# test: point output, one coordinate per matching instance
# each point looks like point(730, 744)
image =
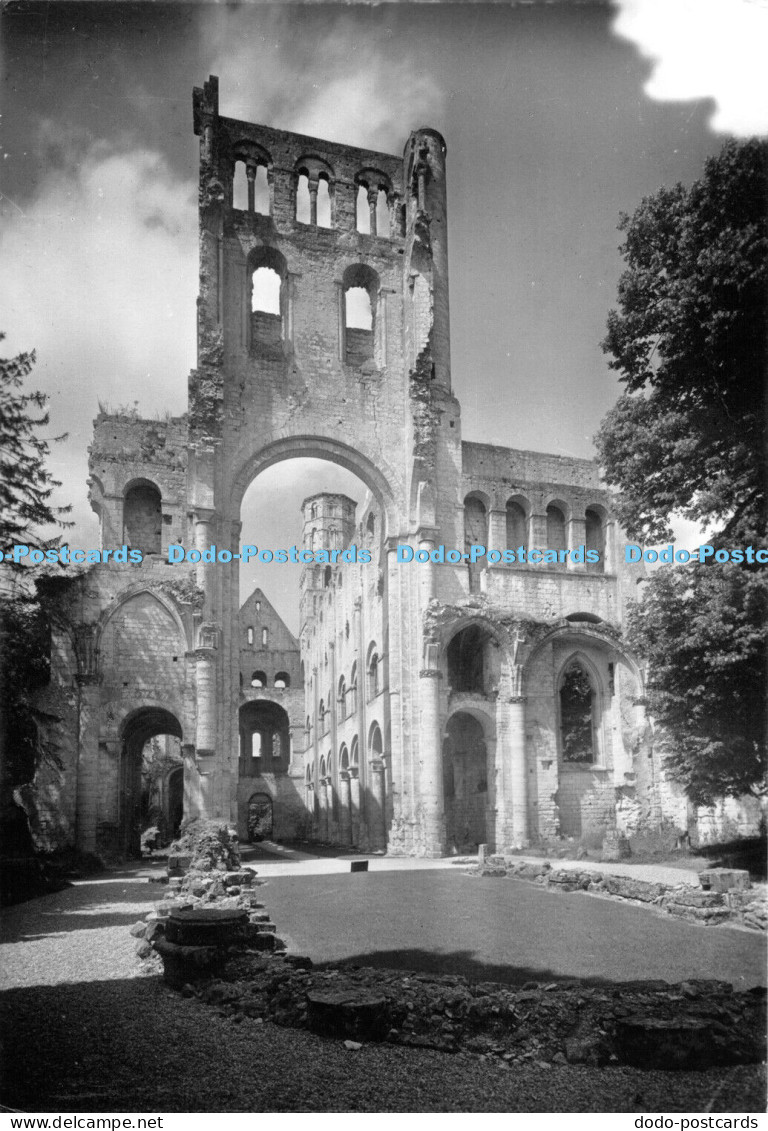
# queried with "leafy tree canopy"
point(26, 484)
point(690, 343)
point(690, 340)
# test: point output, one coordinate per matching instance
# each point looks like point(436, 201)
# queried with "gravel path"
point(88, 1033)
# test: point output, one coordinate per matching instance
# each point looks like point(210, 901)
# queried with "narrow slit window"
point(363, 211)
point(323, 204)
point(240, 187)
point(382, 214)
point(303, 211)
point(261, 192)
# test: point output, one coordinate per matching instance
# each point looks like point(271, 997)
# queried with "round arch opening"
point(151, 785)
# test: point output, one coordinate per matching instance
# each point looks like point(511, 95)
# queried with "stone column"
point(87, 761)
point(373, 196)
point(205, 682)
point(430, 747)
point(497, 530)
point(538, 532)
point(577, 536)
point(345, 808)
point(250, 172)
point(324, 809)
point(342, 322)
point(378, 833)
point(354, 798)
point(519, 771)
point(313, 186)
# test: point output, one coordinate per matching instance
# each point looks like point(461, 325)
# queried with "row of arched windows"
point(259, 679)
point(346, 698)
point(250, 636)
point(270, 302)
point(518, 533)
point(314, 190)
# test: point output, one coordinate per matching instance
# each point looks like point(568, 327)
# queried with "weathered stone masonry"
point(424, 708)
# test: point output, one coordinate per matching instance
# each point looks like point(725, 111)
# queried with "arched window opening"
point(265, 293)
point(475, 522)
point(475, 534)
point(374, 674)
point(266, 318)
point(370, 526)
point(382, 214)
point(342, 700)
point(261, 192)
point(344, 758)
point(355, 755)
point(327, 574)
point(258, 606)
point(352, 691)
point(143, 518)
point(358, 319)
point(321, 717)
point(577, 729)
point(264, 637)
point(323, 204)
point(303, 213)
point(556, 538)
point(469, 660)
point(375, 744)
point(363, 223)
point(259, 679)
point(323, 773)
point(595, 540)
point(268, 301)
point(517, 526)
point(282, 681)
point(360, 286)
point(250, 635)
point(358, 314)
point(264, 738)
point(240, 187)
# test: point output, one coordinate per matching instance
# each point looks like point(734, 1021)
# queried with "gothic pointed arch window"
point(578, 703)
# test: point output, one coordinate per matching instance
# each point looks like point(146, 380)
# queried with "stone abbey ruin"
point(424, 708)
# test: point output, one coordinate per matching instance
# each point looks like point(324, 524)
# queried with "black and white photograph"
point(383, 558)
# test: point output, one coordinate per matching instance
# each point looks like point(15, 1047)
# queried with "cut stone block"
point(725, 879)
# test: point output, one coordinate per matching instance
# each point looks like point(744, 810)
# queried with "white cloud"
point(99, 276)
point(705, 49)
point(346, 86)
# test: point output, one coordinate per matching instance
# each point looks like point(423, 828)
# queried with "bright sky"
point(557, 117)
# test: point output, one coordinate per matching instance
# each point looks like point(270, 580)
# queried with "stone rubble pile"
point(648, 1024)
point(725, 897)
point(211, 910)
point(218, 944)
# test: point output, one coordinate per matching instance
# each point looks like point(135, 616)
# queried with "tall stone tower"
point(323, 331)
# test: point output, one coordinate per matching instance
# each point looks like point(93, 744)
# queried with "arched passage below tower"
point(141, 726)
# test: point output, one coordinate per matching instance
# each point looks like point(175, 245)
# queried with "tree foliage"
point(26, 484)
point(690, 341)
point(26, 488)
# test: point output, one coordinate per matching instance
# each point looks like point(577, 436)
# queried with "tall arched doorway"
point(465, 783)
point(150, 738)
